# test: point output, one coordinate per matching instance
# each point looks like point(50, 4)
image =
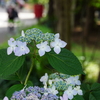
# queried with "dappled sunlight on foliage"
point(92, 71)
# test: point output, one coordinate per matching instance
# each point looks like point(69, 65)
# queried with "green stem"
point(27, 77)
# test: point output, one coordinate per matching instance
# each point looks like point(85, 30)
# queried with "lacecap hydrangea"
point(43, 41)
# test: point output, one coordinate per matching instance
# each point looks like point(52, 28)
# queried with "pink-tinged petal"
point(9, 50)
point(41, 52)
point(10, 41)
point(57, 49)
point(65, 96)
point(61, 98)
point(5, 98)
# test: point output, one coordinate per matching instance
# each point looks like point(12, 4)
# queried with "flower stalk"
point(27, 77)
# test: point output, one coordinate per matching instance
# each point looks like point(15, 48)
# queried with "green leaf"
point(11, 77)
point(96, 94)
point(85, 87)
point(9, 63)
point(91, 97)
point(29, 83)
point(78, 97)
point(65, 62)
point(95, 86)
point(14, 88)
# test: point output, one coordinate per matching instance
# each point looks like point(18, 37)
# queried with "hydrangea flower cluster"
point(56, 87)
point(33, 93)
point(44, 42)
point(70, 85)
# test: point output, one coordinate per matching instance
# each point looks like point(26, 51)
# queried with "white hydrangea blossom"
point(18, 47)
point(21, 49)
point(44, 79)
point(53, 90)
point(76, 80)
point(43, 47)
point(78, 90)
point(12, 46)
point(57, 44)
point(70, 92)
point(64, 97)
point(73, 80)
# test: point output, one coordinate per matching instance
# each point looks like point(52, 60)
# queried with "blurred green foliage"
point(38, 1)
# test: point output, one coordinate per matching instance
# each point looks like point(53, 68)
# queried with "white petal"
point(24, 43)
point(45, 43)
point(70, 96)
point(52, 44)
point(18, 52)
point(80, 92)
point(41, 52)
point(27, 50)
point(9, 50)
point(74, 92)
point(63, 44)
point(38, 45)
point(19, 43)
point(57, 49)
point(78, 82)
point(23, 33)
point(57, 36)
point(47, 49)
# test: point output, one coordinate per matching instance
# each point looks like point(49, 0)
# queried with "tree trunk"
point(51, 16)
point(63, 14)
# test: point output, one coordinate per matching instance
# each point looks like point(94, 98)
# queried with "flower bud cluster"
point(36, 35)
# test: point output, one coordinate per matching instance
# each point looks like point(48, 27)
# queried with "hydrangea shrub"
point(64, 84)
